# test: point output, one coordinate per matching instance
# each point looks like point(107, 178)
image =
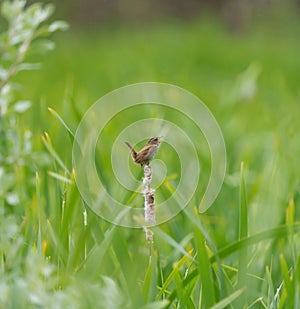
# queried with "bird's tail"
point(133, 152)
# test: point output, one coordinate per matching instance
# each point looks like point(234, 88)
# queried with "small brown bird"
point(146, 154)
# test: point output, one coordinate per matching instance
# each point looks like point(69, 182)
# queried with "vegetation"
point(56, 253)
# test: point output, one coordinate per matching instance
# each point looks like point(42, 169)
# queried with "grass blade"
point(47, 142)
point(171, 242)
point(60, 177)
point(57, 116)
point(271, 290)
point(228, 300)
point(38, 199)
point(93, 265)
point(278, 232)
point(156, 305)
point(208, 294)
point(243, 233)
point(288, 282)
point(149, 288)
point(243, 215)
point(176, 268)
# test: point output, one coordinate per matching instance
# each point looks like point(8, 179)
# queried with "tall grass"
point(243, 252)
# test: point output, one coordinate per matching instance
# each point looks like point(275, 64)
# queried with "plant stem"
point(149, 201)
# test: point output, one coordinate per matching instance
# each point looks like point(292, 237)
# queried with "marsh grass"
point(243, 252)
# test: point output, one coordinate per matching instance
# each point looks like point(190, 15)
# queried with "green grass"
point(243, 252)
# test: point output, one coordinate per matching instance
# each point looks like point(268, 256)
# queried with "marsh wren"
point(146, 154)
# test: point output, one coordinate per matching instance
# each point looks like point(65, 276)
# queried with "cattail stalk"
point(148, 193)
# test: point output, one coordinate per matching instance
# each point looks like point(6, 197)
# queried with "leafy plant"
point(23, 28)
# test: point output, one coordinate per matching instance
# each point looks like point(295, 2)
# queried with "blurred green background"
point(241, 58)
point(226, 52)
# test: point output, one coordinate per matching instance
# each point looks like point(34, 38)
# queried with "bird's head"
point(154, 141)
